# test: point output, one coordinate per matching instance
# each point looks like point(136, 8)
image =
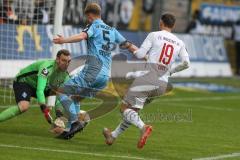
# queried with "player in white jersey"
point(160, 49)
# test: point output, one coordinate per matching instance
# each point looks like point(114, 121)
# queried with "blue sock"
point(71, 107)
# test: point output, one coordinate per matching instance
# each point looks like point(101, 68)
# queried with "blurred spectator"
point(195, 25)
point(236, 29)
point(73, 12)
point(146, 14)
point(7, 12)
point(41, 12)
point(148, 6)
point(25, 11)
point(125, 13)
point(108, 12)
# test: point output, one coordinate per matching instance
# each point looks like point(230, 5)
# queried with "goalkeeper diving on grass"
point(101, 41)
point(36, 81)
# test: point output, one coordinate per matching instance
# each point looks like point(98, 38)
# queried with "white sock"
point(120, 129)
point(132, 117)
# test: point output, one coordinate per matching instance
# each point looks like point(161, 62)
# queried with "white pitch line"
point(73, 152)
point(219, 157)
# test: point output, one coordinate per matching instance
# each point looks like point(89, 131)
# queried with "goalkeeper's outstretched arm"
point(41, 85)
point(41, 98)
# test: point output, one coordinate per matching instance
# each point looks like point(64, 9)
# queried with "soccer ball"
point(84, 117)
point(59, 122)
point(59, 125)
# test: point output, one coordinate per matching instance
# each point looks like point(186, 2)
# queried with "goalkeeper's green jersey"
point(42, 75)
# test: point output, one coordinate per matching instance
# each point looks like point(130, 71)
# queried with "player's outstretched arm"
point(182, 66)
point(41, 85)
point(185, 62)
point(125, 44)
point(129, 46)
point(132, 48)
point(72, 39)
point(141, 53)
point(138, 52)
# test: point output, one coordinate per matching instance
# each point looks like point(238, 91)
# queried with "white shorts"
point(146, 86)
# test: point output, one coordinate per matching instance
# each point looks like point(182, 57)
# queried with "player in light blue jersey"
point(101, 40)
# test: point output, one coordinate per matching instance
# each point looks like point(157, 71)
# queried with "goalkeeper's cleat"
point(65, 135)
point(58, 126)
point(145, 133)
point(109, 139)
point(75, 128)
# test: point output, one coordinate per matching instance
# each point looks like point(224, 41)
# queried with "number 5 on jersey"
point(166, 54)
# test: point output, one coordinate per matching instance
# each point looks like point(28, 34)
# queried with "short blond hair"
point(93, 8)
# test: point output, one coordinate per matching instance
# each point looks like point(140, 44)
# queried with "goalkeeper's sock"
point(9, 113)
point(120, 128)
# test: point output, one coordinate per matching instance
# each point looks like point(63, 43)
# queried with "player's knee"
point(23, 106)
point(124, 106)
point(77, 98)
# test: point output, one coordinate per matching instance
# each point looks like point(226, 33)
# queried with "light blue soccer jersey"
point(102, 39)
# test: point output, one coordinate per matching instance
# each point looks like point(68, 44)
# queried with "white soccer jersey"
point(163, 48)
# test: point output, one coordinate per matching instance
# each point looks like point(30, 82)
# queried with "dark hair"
point(93, 8)
point(65, 52)
point(168, 19)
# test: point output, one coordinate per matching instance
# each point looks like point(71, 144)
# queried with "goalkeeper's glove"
point(46, 111)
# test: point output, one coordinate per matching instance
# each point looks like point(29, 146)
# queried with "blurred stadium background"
point(210, 88)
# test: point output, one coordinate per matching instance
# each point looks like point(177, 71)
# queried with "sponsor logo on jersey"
point(24, 94)
point(45, 72)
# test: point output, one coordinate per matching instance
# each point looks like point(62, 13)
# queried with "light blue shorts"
point(85, 85)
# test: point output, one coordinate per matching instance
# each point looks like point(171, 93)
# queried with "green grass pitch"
point(187, 124)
